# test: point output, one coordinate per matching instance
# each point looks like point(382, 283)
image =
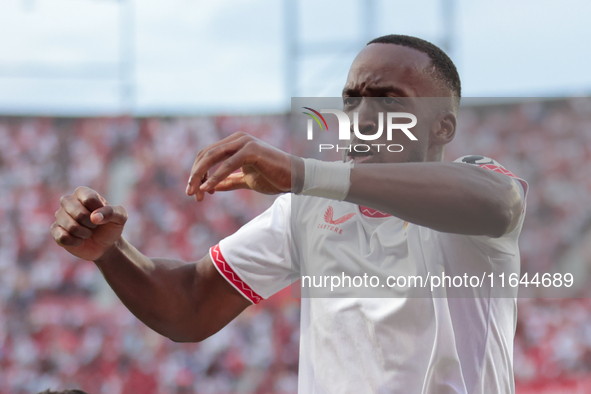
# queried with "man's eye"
point(390, 101)
point(350, 101)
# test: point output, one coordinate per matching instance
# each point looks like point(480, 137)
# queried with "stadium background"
point(62, 327)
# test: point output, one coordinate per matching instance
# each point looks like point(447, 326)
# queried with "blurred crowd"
point(62, 327)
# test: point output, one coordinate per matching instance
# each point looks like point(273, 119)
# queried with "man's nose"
point(368, 119)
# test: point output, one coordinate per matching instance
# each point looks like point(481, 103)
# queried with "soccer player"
point(405, 209)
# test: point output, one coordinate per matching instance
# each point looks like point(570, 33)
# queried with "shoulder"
point(492, 165)
point(484, 162)
point(480, 161)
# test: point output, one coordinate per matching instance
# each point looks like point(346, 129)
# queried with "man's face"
point(391, 78)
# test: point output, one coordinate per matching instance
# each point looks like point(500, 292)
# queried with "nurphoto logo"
point(345, 129)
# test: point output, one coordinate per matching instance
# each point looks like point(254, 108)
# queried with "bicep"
point(508, 194)
point(512, 195)
point(511, 190)
point(517, 201)
point(250, 265)
point(214, 302)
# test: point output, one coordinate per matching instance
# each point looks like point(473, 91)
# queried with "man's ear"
point(444, 129)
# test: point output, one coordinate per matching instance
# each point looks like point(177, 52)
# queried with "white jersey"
point(438, 344)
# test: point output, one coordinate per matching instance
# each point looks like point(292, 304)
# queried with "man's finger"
point(204, 151)
point(210, 159)
point(63, 238)
point(73, 207)
point(232, 182)
point(226, 168)
point(89, 198)
point(230, 138)
point(74, 228)
point(203, 179)
point(109, 214)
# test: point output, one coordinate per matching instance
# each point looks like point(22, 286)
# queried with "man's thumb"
point(109, 214)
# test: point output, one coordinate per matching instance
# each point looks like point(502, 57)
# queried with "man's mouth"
point(360, 157)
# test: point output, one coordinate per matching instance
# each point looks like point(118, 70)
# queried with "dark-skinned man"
point(405, 209)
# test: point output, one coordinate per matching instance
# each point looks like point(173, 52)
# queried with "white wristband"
point(326, 179)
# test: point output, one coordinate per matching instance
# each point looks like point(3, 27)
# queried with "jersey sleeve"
point(256, 259)
point(507, 244)
point(489, 164)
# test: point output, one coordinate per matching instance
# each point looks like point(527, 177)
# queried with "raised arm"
point(448, 197)
point(187, 302)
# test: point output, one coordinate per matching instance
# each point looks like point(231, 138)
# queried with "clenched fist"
point(86, 225)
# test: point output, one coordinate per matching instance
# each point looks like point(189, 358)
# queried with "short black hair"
point(444, 67)
point(64, 392)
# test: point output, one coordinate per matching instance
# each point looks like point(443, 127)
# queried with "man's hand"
point(263, 168)
point(86, 225)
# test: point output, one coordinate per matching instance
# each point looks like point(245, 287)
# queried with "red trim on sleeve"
point(498, 169)
point(227, 271)
point(505, 171)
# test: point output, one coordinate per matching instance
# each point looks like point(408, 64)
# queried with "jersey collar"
point(372, 213)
